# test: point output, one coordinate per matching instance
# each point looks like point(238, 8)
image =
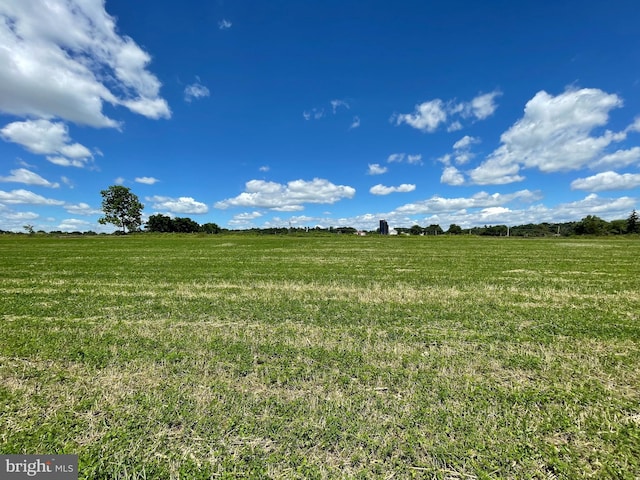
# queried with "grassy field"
point(166, 357)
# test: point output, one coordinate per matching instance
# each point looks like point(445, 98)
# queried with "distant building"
point(384, 227)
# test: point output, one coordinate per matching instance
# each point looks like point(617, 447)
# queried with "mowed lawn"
point(230, 356)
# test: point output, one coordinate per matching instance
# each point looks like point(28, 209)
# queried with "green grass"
point(158, 357)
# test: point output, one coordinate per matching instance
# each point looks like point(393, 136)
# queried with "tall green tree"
point(121, 207)
point(160, 223)
point(210, 228)
point(633, 223)
point(591, 225)
point(454, 229)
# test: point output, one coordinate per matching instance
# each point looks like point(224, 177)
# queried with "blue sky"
point(331, 113)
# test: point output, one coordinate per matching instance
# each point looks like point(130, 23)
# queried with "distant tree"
point(416, 230)
point(159, 223)
point(454, 229)
point(633, 223)
point(591, 225)
point(210, 228)
point(185, 225)
point(29, 229)
point(349, 230)
point(433, 229)
point(617, 227)
point(121, 208)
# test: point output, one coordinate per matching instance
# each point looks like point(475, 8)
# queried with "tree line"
point(122, 208)
point(589, 225)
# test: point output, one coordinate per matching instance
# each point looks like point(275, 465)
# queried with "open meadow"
point(231, 356)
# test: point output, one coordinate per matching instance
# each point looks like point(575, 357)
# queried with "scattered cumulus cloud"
point(482, 106)
point(264, 168)
point(555, 134)
point(355, 123)
point(288, 197)
point(180, 205)
point(479, 200)
point(26, 197)
point(607, 181)
point(335, 104)
point(465, 142)
point(430, 115)
point(224, 24)
point(635, 126)
point(244, 220)
point(44, 137)
point(404, 158)
point(383, 190)
point(82, 209)
point(462, 149)
point(427, 117)
point(74, 44)
point(619, 159)
point(146, 180)
point(74, 225)
point(63, 60)
point(452, 176)
point(195, 91)
point(313, 114)
point(376, 169)
point(22, 175)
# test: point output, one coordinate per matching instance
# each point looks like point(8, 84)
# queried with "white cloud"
point(483, 106)
point(482, 209)
point(452, 176)
point(619, 159)
point(66, 162)
point(592, 204)
point(146, 180)
point(313, 114)
point(74, 225)
point(428, 116)
point(67, 181)
point(437, 204)
point(289, 197)
point(335, 104)
point(607, 181)
point(224, 24)
point(555, 134)
point(635, 126)
point(22, 175)
point(247, 216)
point(403, 157)
point(244, 220)
point(376, 169)
point(74, 45)
point(26, 197)
point(264, 168)
point(355, 123)
point(20, 216)
point(195, 91)
point(82, 209)
point(178, 205)
point(462, 149)
point(465, 142)
point(455, 126)
point(383, 190)
point(47, 138)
